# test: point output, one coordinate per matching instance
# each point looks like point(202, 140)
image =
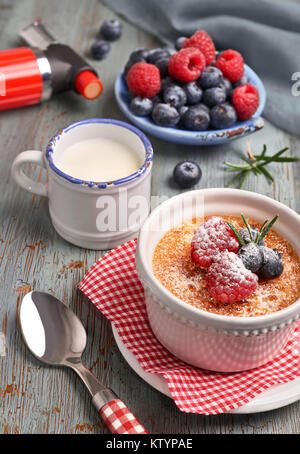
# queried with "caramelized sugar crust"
point(174, 268)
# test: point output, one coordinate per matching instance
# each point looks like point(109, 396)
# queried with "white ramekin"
point(203, 339)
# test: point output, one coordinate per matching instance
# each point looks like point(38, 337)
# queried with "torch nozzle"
point(88, 85)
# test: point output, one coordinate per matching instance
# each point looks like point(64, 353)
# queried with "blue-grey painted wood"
point(38, 399)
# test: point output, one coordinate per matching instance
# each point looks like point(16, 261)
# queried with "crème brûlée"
point(177, 272)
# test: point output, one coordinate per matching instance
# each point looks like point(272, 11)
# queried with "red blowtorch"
point(29, 75)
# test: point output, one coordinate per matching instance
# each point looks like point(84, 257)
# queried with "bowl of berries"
point(191, 94)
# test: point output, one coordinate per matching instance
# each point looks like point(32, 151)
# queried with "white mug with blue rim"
point(92, 214)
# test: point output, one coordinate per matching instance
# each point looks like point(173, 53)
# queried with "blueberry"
point(162, 65)
point(165, 115)
point(141, 106)
point(204, 107)
point(175, 96)
point(111, 30)
point(193, 92)
point(227, 86)
point(223, 116)
point(100, 49)
point(213, 96)
point(242, 81)
point(196, 118)
point(246, 237)
point(179, 42)
point(183, 109)
point(210, 77)
point(171, 50)
point(251, 256)
point(156, 100)
point(139, 53)
point(133, 61)
point(157, 54)
point(272, 264)
point(166, 81)
point(187, 174)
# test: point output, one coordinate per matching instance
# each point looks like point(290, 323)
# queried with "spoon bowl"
point(51, 331)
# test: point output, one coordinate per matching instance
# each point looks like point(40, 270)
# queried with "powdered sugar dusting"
point(173, 266)
point(211, 237)
point(228, 280)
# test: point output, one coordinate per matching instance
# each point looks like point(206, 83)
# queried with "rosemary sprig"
point(248, 226)
point(262, 227)
point(263, 231)
point(237, 233)
point(257, 164)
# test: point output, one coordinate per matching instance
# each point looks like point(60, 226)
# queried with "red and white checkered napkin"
point(113, 287)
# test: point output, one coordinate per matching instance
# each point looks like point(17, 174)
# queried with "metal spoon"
point(56, 336)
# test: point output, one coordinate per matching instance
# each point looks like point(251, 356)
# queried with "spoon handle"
point(119, 419)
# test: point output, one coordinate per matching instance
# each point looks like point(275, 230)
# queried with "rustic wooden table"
point(37, 399)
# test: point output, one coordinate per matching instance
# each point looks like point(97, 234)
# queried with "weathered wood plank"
point(38, 399)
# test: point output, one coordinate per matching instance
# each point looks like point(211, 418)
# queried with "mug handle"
point(33, 157)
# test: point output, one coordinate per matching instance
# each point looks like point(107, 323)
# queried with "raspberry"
point(231, 63)
point(186, 65)
point(143, 79)
point(211, 237)
point(228, 280)
point(245, 100)
point(202, 41)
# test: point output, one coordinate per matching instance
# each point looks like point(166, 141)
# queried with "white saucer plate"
point(275, 397)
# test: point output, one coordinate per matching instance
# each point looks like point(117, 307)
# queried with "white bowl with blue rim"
point(198, 138)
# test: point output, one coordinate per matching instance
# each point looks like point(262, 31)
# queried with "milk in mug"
point(98, 159)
